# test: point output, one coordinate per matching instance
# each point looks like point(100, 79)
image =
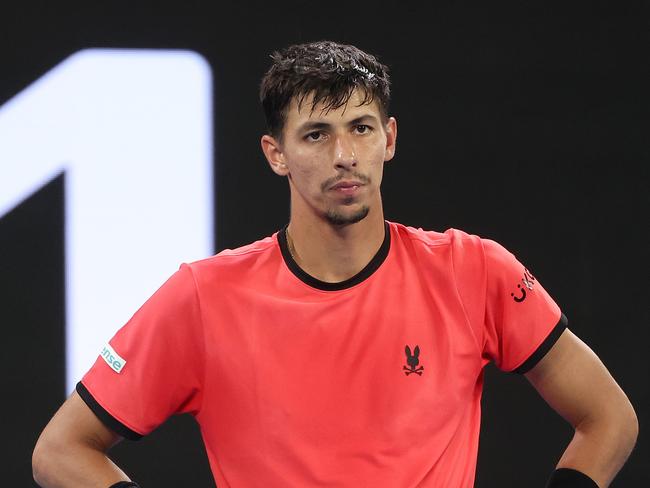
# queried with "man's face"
point(334, 160)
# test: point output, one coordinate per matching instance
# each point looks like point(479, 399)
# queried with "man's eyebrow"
point(315, 125)
point(363, 118)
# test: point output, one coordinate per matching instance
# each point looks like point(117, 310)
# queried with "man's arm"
point(576, 384)
point(71, 451)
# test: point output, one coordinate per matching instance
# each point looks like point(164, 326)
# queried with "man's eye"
point(314, 136)
point(362, 128)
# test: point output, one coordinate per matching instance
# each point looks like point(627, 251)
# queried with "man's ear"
point(274, 155)
point(391, 138)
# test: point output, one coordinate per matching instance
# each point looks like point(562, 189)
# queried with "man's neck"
point(333, 253)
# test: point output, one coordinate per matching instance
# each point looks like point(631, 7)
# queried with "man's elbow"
point(50, 458)
point(630, 425)
point(617, 426)
point(44, 461)
point(626, 424)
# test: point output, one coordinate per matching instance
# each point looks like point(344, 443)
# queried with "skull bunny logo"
point(413, 361)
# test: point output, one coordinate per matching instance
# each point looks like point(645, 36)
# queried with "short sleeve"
point(522, 322)
point(160, 358)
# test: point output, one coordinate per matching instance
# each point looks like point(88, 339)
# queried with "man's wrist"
point(570, 478)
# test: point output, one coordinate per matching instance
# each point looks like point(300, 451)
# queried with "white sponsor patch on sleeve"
point(113, 359)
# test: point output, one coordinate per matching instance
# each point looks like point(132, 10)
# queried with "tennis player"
point(344, 350)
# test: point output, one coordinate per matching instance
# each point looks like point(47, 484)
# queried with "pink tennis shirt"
point(372, 382)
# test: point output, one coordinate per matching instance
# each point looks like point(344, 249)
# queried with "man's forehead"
point(303, 107)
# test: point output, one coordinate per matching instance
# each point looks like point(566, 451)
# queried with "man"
point(344, 350)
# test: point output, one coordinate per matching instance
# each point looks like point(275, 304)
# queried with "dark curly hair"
point(326, 69)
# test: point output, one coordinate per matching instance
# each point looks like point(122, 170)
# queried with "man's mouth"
point(349, 187)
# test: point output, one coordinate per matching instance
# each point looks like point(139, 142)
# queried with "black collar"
point(370, 268)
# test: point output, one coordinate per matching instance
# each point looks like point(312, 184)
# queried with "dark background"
point(525, 122)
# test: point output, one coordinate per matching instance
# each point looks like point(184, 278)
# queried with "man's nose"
point(344, 153)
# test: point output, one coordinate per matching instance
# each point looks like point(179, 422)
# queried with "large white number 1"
point(132, 132)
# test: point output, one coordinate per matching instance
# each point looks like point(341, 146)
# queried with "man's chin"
point(341, 219)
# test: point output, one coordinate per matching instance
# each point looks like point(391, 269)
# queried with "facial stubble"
point(338, 219)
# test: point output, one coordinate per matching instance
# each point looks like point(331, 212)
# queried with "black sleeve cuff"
point(570, 478)
point(107, 419)
point(544, 347)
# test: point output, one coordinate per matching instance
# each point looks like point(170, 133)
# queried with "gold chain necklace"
point(290, 247)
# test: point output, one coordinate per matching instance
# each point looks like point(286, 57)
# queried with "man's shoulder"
point(240, 258)
point(467, 250)
point(451, 237)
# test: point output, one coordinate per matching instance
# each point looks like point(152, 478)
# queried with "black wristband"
point(125, 484)
point(570, 478)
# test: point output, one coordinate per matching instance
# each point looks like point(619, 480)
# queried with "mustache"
point(353, 175)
